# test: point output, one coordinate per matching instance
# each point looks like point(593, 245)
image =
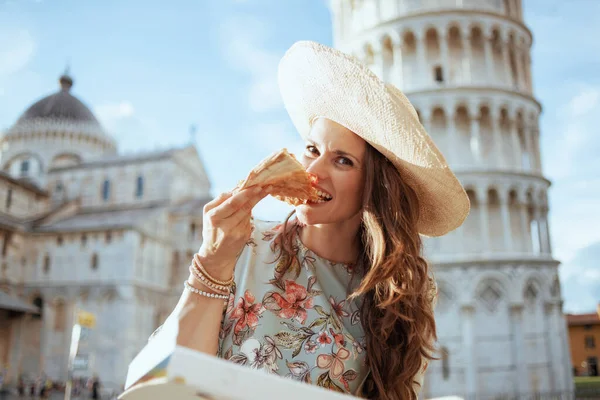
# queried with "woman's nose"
point(318, 167)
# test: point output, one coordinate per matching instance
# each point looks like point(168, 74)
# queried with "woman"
point(338, 295)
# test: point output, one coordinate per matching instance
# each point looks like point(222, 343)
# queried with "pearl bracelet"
point(205, 281)
point(198, 264)
point(192, 289)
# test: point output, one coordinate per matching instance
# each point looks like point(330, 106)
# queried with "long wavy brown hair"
point(395, 287)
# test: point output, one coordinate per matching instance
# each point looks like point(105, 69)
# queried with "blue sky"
point(150, 69)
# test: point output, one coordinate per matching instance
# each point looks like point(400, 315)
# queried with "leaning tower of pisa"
point(466, 67)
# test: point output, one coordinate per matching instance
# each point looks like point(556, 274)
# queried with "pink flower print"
point(294, 302)
point(338, 307)
point(323, 339)
point(338, 338)
point(310, 347)
point(246, 312)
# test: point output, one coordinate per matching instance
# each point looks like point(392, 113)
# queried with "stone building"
point(584, 333)
point(466, 67)
point(83, 227)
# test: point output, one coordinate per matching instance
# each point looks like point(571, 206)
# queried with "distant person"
point(21, 387)
point(96, 388)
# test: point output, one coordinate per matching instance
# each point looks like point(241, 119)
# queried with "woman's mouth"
point(323, 196)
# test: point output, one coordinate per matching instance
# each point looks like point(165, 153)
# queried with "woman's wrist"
point(195, 282)
point(220, 270)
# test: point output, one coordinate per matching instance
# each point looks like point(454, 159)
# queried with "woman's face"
point(335, 155)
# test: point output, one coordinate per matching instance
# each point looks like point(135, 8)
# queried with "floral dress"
point(298, 324)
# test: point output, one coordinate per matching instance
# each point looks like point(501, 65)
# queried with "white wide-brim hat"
point(319, 81)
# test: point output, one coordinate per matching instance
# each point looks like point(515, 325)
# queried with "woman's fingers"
point(217, 201)
point(245, 199)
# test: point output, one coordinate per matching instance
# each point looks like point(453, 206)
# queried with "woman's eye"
point(312, 149)
point(345, 161)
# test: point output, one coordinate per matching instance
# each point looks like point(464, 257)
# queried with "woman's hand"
point(226, 230)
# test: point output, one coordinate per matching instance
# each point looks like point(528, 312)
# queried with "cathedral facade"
point(465, 65)
point(84, 228)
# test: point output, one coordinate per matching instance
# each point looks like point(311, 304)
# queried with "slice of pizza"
point(290, 181)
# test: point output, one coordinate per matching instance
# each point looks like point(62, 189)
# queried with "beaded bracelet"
point(203, 293)
point(200, 277)
point(229, 282)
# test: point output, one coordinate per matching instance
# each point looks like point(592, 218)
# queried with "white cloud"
point(584, 102)
point(573, 132)
point(133, 131)
point(273, 136)
point(572, 163)
point(244, 46)
point(17, 48)
point(110, 112)
point(580, 280)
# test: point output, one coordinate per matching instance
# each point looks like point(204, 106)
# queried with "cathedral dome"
point(61, 105)
point(59, 112)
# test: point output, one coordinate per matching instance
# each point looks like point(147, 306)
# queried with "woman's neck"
point(333, 242)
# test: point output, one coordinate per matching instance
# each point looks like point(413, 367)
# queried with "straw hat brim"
point(318, 81)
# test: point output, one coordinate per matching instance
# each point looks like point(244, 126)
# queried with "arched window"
point(60, 316)
point(106, 190)
point(94, 263)
point(139, 187)
point(24, 167)
point(8, 199)
point(39, 303)
point(46, 263)
point(193, 231)
point(5, 242)
point(59, 240)
point(445, 363)
point(439, 74)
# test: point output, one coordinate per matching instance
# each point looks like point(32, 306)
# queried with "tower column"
point(507, 234)
point(516, 145)
point(398, 67)
point(475, 136)
point(467, 314)
point(420, 48)
point(528, 147)
point(467, 59)
point(549, 342)
point(452, 140)
point(547, 241)
point(506, 62)
point(445, 57)
point(523, 206)
point(497, 135)
point(538, 236)
point(522, 68)
point(489, 59)
point(482, 198)
point(516, 312)
point(535, 148)
point(378, 62)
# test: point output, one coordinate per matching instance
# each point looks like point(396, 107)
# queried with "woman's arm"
point(226, 229)
point(199, 320)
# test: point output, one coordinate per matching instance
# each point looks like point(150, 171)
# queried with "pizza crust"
point(288, 178)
